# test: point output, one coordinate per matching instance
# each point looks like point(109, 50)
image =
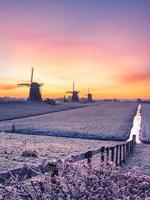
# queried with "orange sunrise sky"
point(103, 45)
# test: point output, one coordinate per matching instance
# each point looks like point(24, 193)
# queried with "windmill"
point(75, 97)
point(34, 92)
point(89, 97)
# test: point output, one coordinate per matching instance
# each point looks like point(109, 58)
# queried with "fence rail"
point(117, 154)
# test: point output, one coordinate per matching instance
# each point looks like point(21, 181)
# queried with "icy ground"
point(136, 129)
point(11, 110)
point(140, 160)
point(87, 121)
point(111, 121)
point(145, 129)
point(12, 145)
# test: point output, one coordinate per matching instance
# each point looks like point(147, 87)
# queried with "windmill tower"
point(75, 97)
point(89, 97)
point(34, 88)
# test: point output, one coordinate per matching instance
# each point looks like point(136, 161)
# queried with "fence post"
point(117, 148)
point(13, 128)
point(134, 139)
point(124, 153)
point(54, 172)
point(127, 149)
point(88, 156)
point(120, 154)
point(112, 153)
point(102, 153)
point(107, 154)
point(130, 145)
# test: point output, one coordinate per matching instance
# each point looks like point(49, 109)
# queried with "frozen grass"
point(75, 181)
point(145, 130)
point(111, 121)
point(140, 160)
point(13, 145)
point(78, 181)
point(12, 110)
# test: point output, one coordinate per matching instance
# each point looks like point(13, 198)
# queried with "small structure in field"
point(35, 89)
point(50, 101)
point(89, 97)
point(75, 97)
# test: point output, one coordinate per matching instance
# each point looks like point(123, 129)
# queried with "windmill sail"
point(75, 97)
point(34, 92)
point(23, 84)
point(89, 96)
point(32, 74)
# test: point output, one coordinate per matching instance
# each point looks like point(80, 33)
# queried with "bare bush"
point(81, 181)
point(29, 153)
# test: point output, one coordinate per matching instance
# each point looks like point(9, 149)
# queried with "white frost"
point(136, 126)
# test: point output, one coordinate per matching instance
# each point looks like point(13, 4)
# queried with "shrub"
point(80, 181)
point(30, 153)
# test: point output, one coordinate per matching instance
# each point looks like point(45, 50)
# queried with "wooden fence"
point(117, 154)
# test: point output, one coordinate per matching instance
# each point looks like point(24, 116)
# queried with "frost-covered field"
point(112, 121)
point(11, 110)
point(140, 160)
point(145, 129)
point(12, 145)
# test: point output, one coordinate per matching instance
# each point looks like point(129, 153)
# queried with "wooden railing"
point(117, 154)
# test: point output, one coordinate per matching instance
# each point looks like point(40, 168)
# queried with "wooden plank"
point(26, 172)
point(97, 151)
point(76, 158)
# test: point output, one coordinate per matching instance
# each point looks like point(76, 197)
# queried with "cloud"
point(7, 86)
point(134, 78)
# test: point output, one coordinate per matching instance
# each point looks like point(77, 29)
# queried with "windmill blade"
point(69, 92)
point(23, 85)
point(73, 87)
point(32, 71)
point(41, 84)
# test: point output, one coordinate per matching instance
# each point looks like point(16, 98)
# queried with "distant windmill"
point(75, 97)
point(89, 97)
point(35, 92)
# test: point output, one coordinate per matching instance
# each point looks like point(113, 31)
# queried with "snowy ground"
point(136, 129)
point(145, 129)
point(11, 110)
point(140, 160)
point(12, 145)
point(112, 121)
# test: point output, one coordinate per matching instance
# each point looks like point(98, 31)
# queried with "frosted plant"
point(81, 181)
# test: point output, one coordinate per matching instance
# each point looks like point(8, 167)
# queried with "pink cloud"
point(134, 78)
point(4, 86)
